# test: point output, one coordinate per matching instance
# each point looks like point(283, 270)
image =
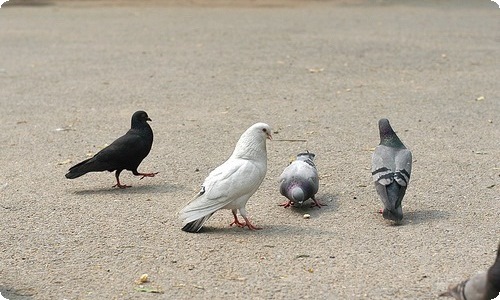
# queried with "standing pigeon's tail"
point(195, 226)
point(79, 169)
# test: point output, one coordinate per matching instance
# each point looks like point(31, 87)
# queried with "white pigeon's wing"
point(232, 180)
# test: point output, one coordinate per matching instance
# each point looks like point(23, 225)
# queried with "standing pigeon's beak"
point(269, 136)
point(149, 119)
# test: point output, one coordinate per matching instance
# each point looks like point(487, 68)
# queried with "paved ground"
point(72, 73)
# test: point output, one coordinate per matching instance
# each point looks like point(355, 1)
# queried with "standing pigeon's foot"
point(250, 225)
point(381, 211)
point(286, 204)
point(236, 221)
point(146, 174)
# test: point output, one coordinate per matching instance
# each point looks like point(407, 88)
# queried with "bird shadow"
point(140, 189)
point(423, 216)
point(270, 229)
point(13, 294)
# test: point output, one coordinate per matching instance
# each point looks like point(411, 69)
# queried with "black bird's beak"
point(149, 119)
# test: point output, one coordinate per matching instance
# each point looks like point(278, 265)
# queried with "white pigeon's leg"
point(236, 221)
point(249, 224)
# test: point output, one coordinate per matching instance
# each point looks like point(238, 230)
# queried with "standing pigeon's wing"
point(232, 180)
point(403, 160)
point(391, 169)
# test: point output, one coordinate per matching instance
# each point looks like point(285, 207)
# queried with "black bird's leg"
point(118, 184)
point(144, 174)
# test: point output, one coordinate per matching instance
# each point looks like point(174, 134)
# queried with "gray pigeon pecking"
point(482, 286)
point(125, 153)
point(299, 181)
point(391, 169)
point(231, 184)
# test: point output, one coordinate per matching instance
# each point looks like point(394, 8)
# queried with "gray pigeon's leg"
point(317, 203)
point(286, 204)
point(118, 184)
point(236, 221)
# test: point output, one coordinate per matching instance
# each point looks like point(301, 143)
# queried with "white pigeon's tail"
point(195, 226)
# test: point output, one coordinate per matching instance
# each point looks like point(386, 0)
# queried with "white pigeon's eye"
point(264, 129)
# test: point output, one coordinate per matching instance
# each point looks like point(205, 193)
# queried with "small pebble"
point(306, 216)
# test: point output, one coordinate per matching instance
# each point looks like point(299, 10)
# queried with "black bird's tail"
point(79, 169)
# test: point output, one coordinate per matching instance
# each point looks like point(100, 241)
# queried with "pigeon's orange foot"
point(317, 204)
point(250, 225)
point(286, 204)
point(147, 174)
point(238, 223)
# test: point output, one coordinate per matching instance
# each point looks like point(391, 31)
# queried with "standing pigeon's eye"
point(265, 130)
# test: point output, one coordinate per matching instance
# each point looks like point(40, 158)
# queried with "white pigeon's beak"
point(269, 136)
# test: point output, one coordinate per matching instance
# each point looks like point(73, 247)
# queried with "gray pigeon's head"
point(387, 135)
point(307, 157)
point(140, 117)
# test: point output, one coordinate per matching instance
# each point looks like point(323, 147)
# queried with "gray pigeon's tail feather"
point(494, 273)
point(195, 226)
point(79, 169)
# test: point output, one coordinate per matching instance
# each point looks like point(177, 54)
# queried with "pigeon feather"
point(482, 286)
point(231, 184)
point(299, 181)
point(391, 170)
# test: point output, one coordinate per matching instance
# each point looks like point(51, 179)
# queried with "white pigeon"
point(482, 286)
point(299, 181)
point(231, 184)
point(391, 169)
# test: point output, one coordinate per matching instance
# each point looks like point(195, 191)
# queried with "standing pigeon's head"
point(252, 143)
point(140, 117)
point(387, 136)
point(259, 130)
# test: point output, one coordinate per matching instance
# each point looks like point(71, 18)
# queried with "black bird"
point(125, 153)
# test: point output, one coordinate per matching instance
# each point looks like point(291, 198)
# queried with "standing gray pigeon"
point(299, 181)
point(391, 169)
point(231, 184)
point(482, 286)
point(125, 153)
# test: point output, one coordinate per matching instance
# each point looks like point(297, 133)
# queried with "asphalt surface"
point(320, 73)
